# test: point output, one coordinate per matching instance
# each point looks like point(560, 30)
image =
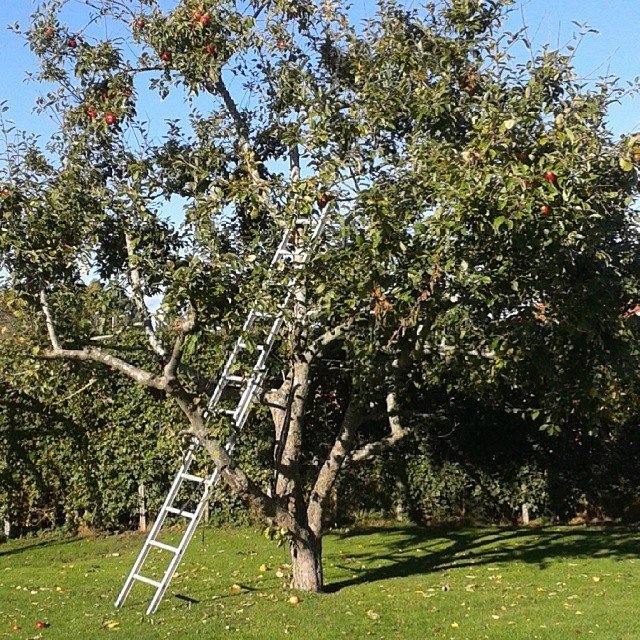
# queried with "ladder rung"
point(153, 583)
point(162, 545)
point(179, 512)
point(190, 476)
point(235, 379)
point(228, 412)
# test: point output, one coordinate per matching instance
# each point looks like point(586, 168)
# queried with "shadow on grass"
point(409, 551)
point(36, 544)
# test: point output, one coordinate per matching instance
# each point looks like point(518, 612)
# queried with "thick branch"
point(329, 472)
point(97, 355)
point(51, 328)
point(319, 345)
point(176, 353)
point(138, 299)
point(287, 406)
point(398, 432)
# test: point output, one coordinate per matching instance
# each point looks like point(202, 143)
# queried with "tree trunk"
point(306, 563)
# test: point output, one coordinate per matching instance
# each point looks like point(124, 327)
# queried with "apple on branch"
point(323, 200)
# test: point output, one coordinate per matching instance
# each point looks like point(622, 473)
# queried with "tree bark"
point(306, 563)
point(330, 469)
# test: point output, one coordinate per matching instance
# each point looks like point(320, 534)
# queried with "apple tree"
point(480, 233)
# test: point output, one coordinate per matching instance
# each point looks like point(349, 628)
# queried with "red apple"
point(110, 118)
point(550, 176)
point(16, 627)
point(322, 200)
point(92, 113)
point(6, 193)
point(545, 210)
point(282, 45)
point(72, 43)
point(166, 56)
point(49, 31)
point(210, 49)
point(139, 24)
point(204, 19)
point(40, 624)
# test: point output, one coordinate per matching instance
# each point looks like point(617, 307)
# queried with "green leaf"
point(498, 222)
point(625, 164)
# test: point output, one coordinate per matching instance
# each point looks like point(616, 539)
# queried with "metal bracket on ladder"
point(294, 257)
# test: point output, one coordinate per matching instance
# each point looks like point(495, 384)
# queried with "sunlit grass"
point(386, 582)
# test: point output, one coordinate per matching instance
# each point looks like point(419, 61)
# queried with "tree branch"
point(138, 299)
point(240, 122)
point(398, 432)
point(174, 361)
point(97, 355)
point(51, 328)
point(320, 344)
point(328, 473)
point(244, 133)
point(76, 392)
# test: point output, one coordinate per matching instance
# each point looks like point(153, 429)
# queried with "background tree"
point(480, 234)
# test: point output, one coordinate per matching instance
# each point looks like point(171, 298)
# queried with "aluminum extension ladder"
point(289, 257)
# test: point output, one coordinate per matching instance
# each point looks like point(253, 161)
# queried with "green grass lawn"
point(383, 582)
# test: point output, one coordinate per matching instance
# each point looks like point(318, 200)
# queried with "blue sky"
point(614, 50)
